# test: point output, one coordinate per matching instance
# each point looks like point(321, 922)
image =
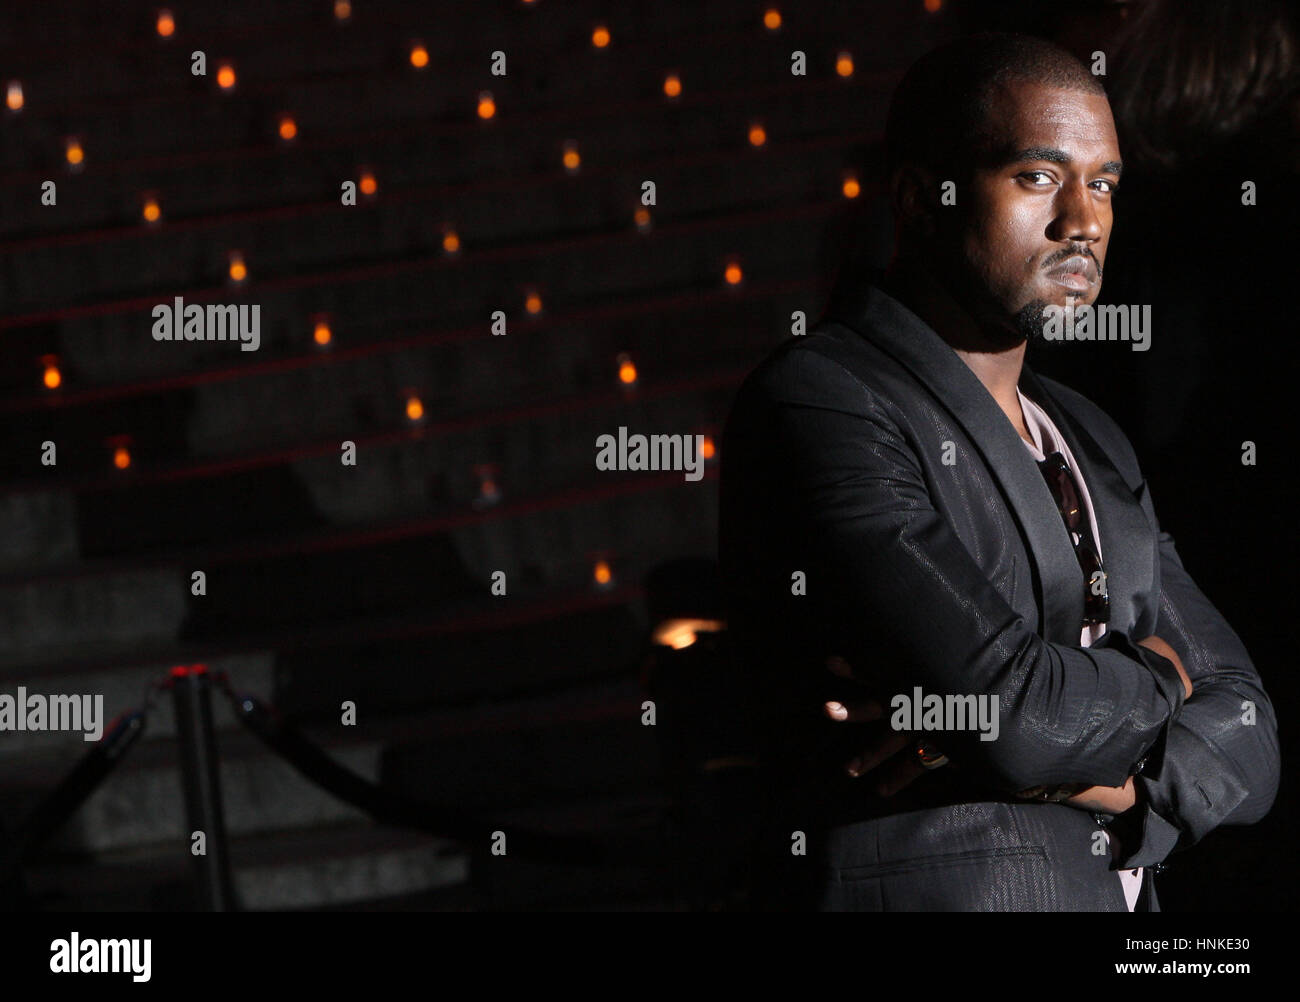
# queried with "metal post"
point(192, 693)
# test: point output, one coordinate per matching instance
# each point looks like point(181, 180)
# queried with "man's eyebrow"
point(1052, 155)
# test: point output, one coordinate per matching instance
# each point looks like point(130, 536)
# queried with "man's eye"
point(1110, 186)
point(1032, 174)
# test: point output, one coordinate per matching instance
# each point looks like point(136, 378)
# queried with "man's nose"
point(1076, 217)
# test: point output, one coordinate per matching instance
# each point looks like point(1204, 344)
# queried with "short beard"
point(1031, 321)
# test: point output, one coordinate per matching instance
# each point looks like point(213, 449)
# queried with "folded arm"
point(1221, 763)
point(920, 610)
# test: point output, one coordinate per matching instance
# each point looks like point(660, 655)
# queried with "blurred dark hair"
point(1190, 75)
point(938, 115)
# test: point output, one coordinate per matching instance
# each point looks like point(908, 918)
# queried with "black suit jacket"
point(877, 504)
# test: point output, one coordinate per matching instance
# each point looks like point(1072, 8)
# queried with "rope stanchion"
point(191, 688)
point(395, 809)
point(286, 741)
point(86, 776)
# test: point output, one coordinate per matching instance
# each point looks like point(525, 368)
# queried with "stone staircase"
point(372, 583)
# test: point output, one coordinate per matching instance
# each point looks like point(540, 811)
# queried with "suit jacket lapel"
point(1127, 553)
point(1058, 581)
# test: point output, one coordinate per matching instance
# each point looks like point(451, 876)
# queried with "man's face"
point(1038, 215)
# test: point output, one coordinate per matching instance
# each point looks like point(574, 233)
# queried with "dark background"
point(371, 583)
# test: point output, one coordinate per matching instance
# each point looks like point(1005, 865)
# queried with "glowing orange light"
point(342, 9)
point(672, 85)
point(14, 95)
point(851, 187)
point(74, 152)
point(450, 242)
point(288, 128)
point(626, 372)
point(225, 76)
point(367, 183)
point(600, 37)
point(166, 24)
point(642, 216)
point(682, 633)
point(488, 492)
point(707, 449)
point(571, 158)
point(533, 304)
point(733, 273)
point(53, 377)
point(772, 19)
point(602, 573)
point(151, 211)
point(238, 270)
point(121, 457)
point(933, 6)
point(486, 106)
point(414, 409)
point(844, 64)
point(419, 56)
point(322, 333)
point(757, 135)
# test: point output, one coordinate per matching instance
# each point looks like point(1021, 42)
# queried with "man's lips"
point(1077, 273)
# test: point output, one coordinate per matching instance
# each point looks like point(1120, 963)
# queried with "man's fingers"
point(839, 666)
point(897, 775)
point(887, 747)
point(855, 712)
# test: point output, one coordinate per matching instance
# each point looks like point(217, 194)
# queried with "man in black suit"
point(901, 492)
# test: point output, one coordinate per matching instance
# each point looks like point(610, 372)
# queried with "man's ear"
point(914, 193)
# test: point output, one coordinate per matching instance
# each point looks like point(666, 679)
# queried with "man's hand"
point(1118, 799)
point(1105, 799)
point(882, 747)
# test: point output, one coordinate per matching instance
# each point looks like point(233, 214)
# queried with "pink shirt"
point(1048, 440)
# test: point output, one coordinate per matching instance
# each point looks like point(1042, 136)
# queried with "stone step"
point(631, 825)
point(574, 272)
point(320, 233)
point(272, 871)
point(300, 47)
point(134, 607)
point(349, 866)
point(259, 792)
point(37, 529)
point(486, 759)
point(71, 618)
